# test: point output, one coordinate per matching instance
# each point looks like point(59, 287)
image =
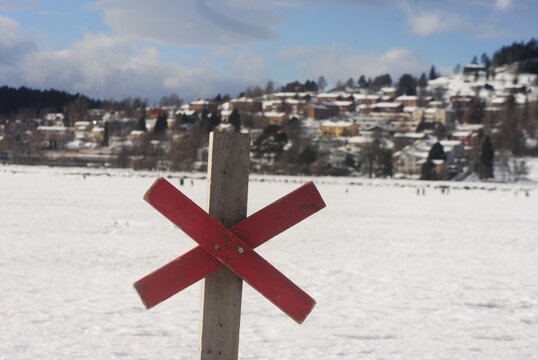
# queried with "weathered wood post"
point(226, 243)
point(227, 173)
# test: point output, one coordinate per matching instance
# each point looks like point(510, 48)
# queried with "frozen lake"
point(396, 275)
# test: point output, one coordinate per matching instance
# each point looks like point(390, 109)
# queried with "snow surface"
point(396, 275)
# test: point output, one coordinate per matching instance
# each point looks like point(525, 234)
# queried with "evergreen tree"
point(235, 120)
point(487, 154)
point(485, 60)
point(161, 124)
point(349, 161)
point(204, 121)
point(214, 120)
point(474, 61)
point(141, 125)
point(433, 73)
point(437, 152)
point(407, 85)
point(380, 81)
point(386, 161)
point(106, 134)
point(423, 81)
point(310, 85)
point(66, 120)
point(362, 82)
point(518, 52)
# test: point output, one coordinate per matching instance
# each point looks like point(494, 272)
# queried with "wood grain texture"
point(228, 169)
point(258, 228)
point(232, 251)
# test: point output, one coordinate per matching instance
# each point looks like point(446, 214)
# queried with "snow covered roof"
point(498, 100)
point(242, 99)
point(410, 109)
point(333, 94)
point(388, 89)
point(343, 103)
point(53, 116)
point(185, 112)
point(52, 128)
point(386, 105)
point(294, 101)
point(284, 94)
point(411, 135)
point(273, 114)
point(200, 102)
point(461, 134)
point(407, 98)
point(341, 123)
point(359, 139)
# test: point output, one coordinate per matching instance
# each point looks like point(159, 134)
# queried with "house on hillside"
point(408, 100)
point(387, 107)
point(244, 104)
point(54, 137)
point(338, 128)
point(265, 118)
point(294, 86)
point(409, 160)
point(200, 105)
point(317, 111)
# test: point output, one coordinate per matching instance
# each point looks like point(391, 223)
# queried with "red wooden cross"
point(232, 247)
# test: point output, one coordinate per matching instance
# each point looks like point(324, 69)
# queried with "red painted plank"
point(223, 244)
point(261, 226)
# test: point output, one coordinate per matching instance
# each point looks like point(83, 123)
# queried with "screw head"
point(217, 247)
point(240, 249)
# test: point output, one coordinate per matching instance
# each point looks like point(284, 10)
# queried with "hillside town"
point(440, 127)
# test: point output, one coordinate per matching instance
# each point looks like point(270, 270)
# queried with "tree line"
point(13, 100)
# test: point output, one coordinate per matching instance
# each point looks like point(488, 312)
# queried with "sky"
point(112, 49)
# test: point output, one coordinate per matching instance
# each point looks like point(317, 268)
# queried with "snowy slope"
point(396, 275)
point(500, 84)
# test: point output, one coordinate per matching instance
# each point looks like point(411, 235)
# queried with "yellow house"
point(338, 128)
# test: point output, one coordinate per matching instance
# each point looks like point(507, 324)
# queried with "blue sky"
point(198, 48)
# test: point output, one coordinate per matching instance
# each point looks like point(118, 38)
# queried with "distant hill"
point(523, 55)
point(16, 99)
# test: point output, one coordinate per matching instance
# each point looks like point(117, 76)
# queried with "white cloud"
point(425, 24)
point(13, 45)
point(192, 22)
point(104, 66)
point(335, 63)
point(503, 4)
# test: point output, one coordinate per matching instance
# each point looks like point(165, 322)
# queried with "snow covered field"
point(396, 275)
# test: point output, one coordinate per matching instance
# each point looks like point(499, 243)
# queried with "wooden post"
point(228, 168)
